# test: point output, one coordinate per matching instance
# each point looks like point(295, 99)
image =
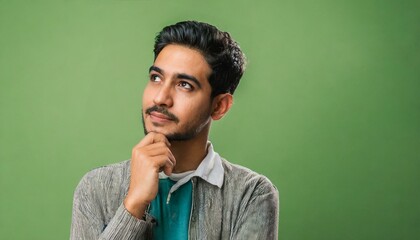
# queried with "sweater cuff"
point(124, 226)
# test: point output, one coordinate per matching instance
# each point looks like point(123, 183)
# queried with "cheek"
point(197, 108)
point(147, 96)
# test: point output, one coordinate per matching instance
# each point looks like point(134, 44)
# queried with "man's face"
point(176, 100)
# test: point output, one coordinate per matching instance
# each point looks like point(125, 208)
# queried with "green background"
point(329, 108)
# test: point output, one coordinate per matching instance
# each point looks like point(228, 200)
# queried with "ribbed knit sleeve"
point(124, 226)
point(98, 209)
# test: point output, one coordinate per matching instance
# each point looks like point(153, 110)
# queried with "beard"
point(191, 130)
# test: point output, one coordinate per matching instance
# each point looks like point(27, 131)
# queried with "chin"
point(156, 130)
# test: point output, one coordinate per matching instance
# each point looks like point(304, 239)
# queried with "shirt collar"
point(210, 169)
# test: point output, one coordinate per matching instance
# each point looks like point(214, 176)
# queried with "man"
point(176, 186)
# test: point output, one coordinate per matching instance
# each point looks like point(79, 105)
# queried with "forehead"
point(178, 59)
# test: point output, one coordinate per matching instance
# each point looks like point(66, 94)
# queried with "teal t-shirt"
point(173, 216)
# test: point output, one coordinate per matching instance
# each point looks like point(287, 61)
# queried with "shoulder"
point(244, 179)
point(105, 178)
point(108, 171)
point(101, 191)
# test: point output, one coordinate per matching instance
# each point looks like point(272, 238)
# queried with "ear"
point(221, 105)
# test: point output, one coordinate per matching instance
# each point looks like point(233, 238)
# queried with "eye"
point(155, 78)
point(185, 85)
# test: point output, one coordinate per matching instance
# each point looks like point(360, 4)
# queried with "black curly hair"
point(221, 52)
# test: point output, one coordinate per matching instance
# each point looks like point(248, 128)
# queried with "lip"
point(159, 117)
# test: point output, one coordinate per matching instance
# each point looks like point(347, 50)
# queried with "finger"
point(155, 146)
point(159, 137)
point(163, 163)
point(148, 147)
point(168, 168)
point(153, 137)
point(159, 149)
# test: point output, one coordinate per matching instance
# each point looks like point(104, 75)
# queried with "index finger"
point(153, 137)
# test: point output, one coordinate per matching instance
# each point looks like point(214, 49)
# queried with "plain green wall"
point(329, 108)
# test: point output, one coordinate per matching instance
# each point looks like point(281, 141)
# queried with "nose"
point(163, 96)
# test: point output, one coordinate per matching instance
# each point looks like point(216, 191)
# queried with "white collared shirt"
point(210, 169)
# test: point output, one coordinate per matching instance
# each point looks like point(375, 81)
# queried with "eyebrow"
point(179, 75)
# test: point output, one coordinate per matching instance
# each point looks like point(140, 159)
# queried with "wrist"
point(136, 209)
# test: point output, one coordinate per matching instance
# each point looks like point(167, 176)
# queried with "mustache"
point(162, 110)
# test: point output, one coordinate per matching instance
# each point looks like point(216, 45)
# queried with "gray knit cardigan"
point(245, 207)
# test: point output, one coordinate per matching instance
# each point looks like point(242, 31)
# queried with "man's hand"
point(149, 157)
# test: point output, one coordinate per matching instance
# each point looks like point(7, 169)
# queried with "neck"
point(189, 153)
